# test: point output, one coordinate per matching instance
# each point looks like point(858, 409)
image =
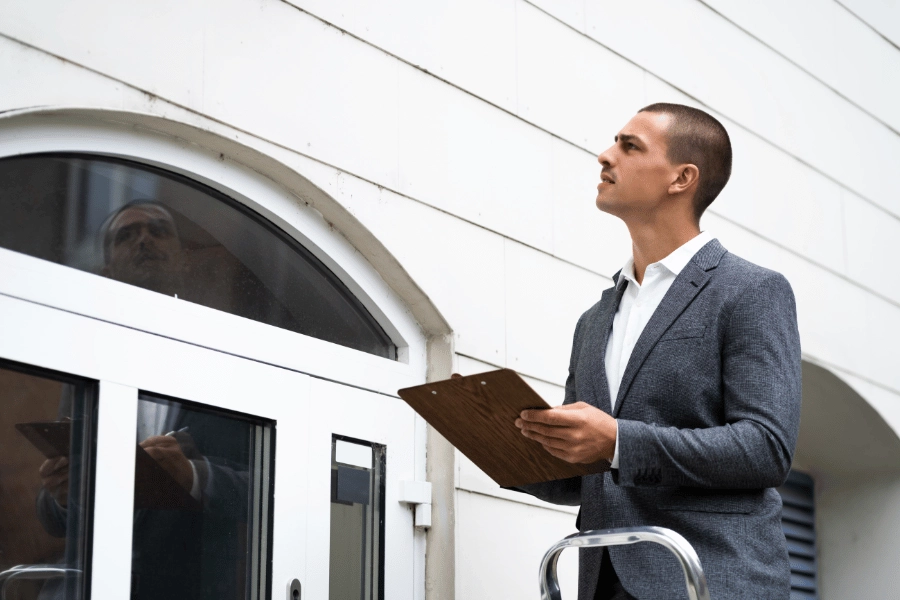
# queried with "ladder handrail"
point(680, 547)
point(33, 572)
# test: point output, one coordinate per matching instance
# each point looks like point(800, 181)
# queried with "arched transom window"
point(169, 234)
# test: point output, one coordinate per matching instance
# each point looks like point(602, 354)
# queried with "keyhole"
point(294, 588)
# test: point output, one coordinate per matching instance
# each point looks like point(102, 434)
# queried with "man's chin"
point(605, 204)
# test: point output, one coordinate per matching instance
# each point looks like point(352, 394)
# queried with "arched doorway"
point(174, 304)
point(853, 456)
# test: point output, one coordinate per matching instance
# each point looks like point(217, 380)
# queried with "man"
point(685, 376)
point(181, 549)
point(141, 247)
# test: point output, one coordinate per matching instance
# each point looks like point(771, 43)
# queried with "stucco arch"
point(854, 456)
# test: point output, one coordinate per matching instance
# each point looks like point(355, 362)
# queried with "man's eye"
point(160, 231)
point(632, 146)
point(123, 235)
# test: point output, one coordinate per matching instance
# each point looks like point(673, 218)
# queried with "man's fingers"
point(158, 454)
point(54, 481)
point(546, 441)
point(158, 441)
point(546, 430)
point(558, 453)
point(567, 415)
point(51, 465)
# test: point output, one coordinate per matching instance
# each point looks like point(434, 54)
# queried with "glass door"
point(197, 461)
point(213, 476)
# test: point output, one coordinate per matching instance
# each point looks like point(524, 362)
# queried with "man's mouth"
point(604, 178)
point(145, 257)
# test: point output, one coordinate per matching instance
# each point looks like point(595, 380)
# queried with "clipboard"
point(51, 438)
point(477, 415)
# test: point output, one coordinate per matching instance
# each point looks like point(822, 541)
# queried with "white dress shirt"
point(639, 302)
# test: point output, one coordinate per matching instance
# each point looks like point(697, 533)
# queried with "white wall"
point(463, 134)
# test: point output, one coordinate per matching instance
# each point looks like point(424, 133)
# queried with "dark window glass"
point(46, 458)
point(169, 234)
point(357, 520)
point(203, 491)
point(798, 520)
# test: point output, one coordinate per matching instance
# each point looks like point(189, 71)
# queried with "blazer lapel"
point(599, 337)
point(692, 279)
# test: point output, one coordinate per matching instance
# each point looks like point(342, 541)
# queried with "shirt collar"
point(682, 255)
point(674, 262)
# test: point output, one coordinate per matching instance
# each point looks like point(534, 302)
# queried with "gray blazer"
point(708, 412)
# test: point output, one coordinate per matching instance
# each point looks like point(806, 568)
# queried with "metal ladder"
point(683, 551)
point(34, 572)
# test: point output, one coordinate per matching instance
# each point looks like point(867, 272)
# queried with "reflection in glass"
point(202, 503)
point(166, 233)
point(357, 520)
point(46, 444)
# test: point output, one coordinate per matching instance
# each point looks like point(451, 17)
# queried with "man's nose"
point(144, 235)
point(605, 157)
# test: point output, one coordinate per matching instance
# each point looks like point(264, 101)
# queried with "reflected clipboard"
point(154, 489)
point(52, 438)
point(477, 415)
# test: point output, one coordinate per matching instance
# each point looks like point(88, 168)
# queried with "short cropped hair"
point(106, 229)
point(696, 137)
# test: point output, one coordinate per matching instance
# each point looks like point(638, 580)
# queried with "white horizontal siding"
point(463, 156)
point(741, 78)
point(500, 544)
point(883, 17)
point(823, 38)
point(468, 42)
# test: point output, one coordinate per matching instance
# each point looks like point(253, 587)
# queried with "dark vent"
point(798, 520)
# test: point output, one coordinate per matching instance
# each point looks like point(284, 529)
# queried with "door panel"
point(377, 419)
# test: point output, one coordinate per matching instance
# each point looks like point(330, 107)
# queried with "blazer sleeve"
point(761, 383)
point(562, 491)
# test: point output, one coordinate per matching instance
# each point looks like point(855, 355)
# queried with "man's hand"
point(576, 433)
point(54, 474)
point(166, 451)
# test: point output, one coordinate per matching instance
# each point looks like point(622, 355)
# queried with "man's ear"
point(687, 179)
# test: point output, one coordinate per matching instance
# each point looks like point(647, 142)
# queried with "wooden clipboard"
point(477, 414)
point(51, 438)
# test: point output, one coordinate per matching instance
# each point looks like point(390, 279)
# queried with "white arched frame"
point(82, 293)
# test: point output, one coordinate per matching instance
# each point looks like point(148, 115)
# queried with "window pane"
point(202, 503)
point(165, 233)
point(45, 463)
point(357, 520)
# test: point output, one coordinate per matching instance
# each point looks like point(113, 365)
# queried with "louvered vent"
point(798, 522)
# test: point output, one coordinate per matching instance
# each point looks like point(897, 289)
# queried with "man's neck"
point(650, 243)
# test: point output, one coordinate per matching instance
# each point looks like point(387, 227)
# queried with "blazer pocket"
point(713, 501)
point(683, 333)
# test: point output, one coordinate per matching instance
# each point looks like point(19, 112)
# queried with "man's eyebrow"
point(627, 137)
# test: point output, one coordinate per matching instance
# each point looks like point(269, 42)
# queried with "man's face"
point(636, 173)
point(145, 250)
